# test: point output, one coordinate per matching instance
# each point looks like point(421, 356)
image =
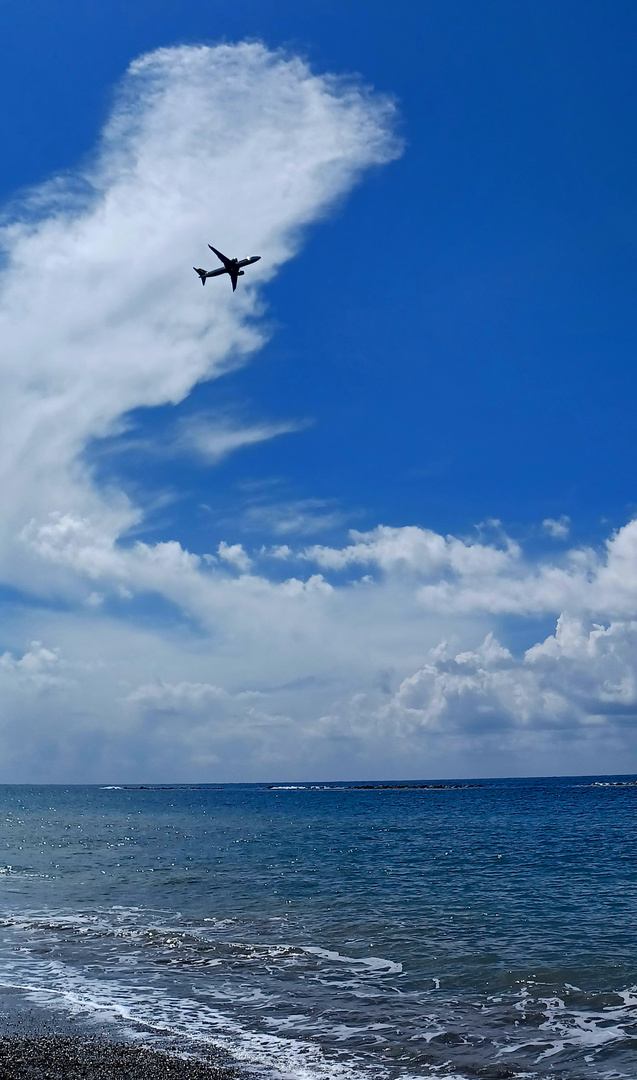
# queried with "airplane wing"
point(224, 258)
point(234, 277)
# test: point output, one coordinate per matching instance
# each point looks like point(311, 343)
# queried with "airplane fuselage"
point(235, 265)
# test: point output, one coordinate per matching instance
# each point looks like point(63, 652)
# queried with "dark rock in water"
point(62, 1057)
point(164, 787)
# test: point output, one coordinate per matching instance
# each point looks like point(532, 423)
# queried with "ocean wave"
point(188, 946)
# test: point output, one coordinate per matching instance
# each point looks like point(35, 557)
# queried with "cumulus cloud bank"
point(392, 654)
point(387, 654)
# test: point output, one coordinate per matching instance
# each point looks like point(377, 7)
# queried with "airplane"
point(230, 266)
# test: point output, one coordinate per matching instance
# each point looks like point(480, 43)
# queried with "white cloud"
point(214, 438)
point(171, 696)
point(558, 528)
point(235, 555)
point(208, 437)
point(415, 549)
point(38, 667)
point(279, 551)
point(599, 582)
point(578, 686)
point(292, 517)
point(464, 576)
point(204, 722)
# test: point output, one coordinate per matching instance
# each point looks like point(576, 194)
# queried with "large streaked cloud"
point(393, 654)
point(98, 313)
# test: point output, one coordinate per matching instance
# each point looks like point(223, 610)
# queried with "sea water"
point(454, 930)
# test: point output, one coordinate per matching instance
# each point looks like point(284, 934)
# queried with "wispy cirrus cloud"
point(208, 437)
point(213, 437)
point(292, 517)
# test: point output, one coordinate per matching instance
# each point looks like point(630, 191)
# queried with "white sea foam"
point(566, 1027)
point(17, 871)
point(374, 963)
point(614, 783)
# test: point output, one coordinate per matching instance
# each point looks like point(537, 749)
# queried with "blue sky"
point(440, 345)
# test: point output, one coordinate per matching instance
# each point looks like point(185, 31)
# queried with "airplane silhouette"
point(230, 266)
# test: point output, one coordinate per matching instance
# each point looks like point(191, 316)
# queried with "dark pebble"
point(68, 1057)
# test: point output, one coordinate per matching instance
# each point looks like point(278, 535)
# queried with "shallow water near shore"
point(459, 929)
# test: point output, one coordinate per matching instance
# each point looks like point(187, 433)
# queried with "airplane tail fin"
point(202, 274)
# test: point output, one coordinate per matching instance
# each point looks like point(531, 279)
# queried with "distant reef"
point(371, 787)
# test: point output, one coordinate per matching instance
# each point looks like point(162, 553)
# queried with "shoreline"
point(34, 1045)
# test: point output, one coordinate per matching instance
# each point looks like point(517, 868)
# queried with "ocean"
point(452, 929)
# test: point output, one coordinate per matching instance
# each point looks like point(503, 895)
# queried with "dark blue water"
point(486, 930)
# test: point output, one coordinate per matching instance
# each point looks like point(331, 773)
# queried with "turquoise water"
point(474, 929)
